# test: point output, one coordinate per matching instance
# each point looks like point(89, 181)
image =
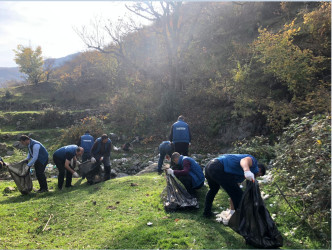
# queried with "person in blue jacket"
point(86, 142)
point(62, 158)
point(191, 174)
point(165, 150)
point(37, 156)
point(101, 153)
point(180, 136)
point(227, 171)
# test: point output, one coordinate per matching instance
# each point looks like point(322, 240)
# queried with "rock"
point(114, 137)
point(3, 146)
point(137, 162)
point(9, 189)
point(121, 175)
point(31, 135)
point(10, 153)
point(149, 169)
point(18, 145)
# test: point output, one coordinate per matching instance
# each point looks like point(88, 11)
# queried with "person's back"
point(86, 143)
point(180, 136)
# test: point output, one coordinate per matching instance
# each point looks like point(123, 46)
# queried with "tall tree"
point(30, 62)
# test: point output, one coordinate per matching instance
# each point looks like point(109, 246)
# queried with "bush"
point(94, 124)
point(303, 169)
point(258, 146)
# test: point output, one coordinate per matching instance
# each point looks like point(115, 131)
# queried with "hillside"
point(115, 214)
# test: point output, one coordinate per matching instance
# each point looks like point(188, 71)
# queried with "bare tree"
point(108, 37)
point(168, 20)
point(175, 27)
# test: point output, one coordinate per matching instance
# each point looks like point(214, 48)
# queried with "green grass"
point(117, 220)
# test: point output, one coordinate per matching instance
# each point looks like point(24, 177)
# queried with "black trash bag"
point(92, 172)
point(176, 197)
point(253, 221)
point(21, 175)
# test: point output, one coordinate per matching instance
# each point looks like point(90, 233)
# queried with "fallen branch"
point(287, 201)
point(51, 216)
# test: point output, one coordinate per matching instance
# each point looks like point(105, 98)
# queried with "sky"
point(50, 24)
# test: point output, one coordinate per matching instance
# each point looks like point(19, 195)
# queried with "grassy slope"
point(118, 220)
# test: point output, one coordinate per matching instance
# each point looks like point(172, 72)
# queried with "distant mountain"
point(13, 73)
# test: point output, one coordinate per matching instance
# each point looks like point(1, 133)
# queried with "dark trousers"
point(60, 164)
point(181, 148)
point(186, 180)
point(40, 174)
point(107, 165)
point(161, 160)
point(216, 177)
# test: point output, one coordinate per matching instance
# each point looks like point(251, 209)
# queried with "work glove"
point(101, 158)
point(75, 175)
point(170, 171)
point(25, 161)
point(93, 160)
point(26, 167)
point(249, 175)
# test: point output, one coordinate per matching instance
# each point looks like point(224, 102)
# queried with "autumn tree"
point(30, 62)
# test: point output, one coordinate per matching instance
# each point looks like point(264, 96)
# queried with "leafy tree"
point(30, 62)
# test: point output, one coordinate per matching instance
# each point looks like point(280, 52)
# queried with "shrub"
point(303, 169)
point(94, 124)
point(258, 146)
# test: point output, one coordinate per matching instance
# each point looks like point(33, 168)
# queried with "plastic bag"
point(91, 171)
point(21, 175)
point(175, 195)
point(253, 221)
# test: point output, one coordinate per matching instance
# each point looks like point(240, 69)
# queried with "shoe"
point(42, 191)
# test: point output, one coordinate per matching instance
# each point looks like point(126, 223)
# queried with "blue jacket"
point(96, 150)
point(87, 141)
point(180, 132)
point(165, 148)
point(42, 155)
point(231, 163)
point(66, 152)
point(195, 172)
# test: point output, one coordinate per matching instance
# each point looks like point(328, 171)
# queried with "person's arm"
point(246, 163)
point(93, 149)
point(67, 162)
point(171, 135)
point(36, 148)
point(186, 168)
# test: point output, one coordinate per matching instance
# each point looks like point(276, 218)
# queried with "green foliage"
point(93, 124)
point(8, 94)
point(294, 66)
point(303, 168)
point(258, 146)
point(30, 62)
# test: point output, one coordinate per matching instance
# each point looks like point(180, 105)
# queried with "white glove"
point(249, 175)
point(101, 158)
point(75, 175)
point(93, 160)
point(170, 171)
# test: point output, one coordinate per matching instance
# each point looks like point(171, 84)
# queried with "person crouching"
point(191, 174)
